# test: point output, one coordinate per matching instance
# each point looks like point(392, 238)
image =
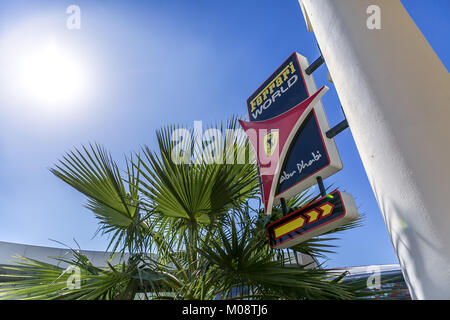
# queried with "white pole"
point(396, 95)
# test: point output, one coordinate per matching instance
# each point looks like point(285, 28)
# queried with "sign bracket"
point(316, 64)
point(341, 126)
point(323, 192)
point(284, 207)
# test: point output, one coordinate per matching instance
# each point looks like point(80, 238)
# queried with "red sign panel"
point(271, 139)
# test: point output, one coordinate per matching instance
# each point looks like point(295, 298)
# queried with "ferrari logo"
point(270, 141)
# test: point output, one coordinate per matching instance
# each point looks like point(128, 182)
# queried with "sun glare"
point(49, 75)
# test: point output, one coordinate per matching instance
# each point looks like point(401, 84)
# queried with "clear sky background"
point(147, 64)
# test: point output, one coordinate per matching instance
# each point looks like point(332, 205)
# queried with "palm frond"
point(202, 220)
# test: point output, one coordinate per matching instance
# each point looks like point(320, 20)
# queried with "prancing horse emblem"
point(270, 142)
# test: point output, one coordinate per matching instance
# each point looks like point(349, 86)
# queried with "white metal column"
point(396, 95)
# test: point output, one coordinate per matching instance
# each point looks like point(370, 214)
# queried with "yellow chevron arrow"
point(313, 215)
point(290, 226)
point(326, 209)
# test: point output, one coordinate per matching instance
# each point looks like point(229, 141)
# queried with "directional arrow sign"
point(318, 217)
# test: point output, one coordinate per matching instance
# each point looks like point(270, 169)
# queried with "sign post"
point(395, 93)
point(288, 131)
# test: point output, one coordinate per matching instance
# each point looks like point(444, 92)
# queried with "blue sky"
point(149, 64)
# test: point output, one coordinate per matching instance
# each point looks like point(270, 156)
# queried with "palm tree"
point(202, 222)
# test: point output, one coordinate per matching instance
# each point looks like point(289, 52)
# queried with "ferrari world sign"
point(287, 130)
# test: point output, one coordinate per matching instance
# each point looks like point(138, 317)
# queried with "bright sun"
point(51, 76)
